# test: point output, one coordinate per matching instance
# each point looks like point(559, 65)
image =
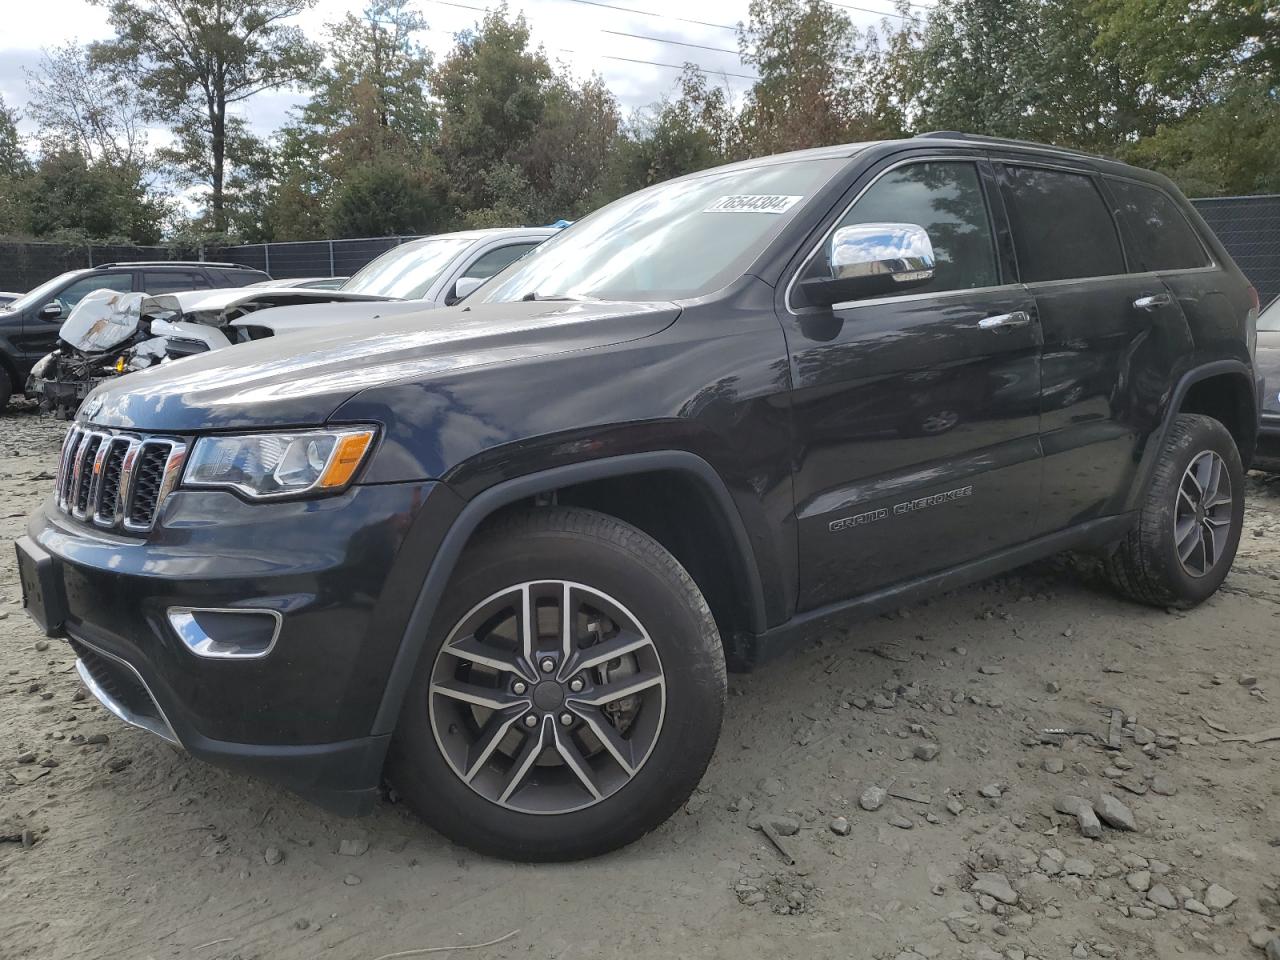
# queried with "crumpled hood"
point(1267, 363)
point(300, 379)
point(282, 320)
point(239, 299)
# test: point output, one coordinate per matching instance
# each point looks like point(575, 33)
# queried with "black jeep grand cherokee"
point(505, 551)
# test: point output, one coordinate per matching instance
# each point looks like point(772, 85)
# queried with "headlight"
point(268, 465)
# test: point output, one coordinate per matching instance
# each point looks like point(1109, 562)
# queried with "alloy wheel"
point(547, 697)
point(1202, 521)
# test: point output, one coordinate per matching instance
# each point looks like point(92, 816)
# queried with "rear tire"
point(1188, 528)
point(553, 789)
point(6, 388)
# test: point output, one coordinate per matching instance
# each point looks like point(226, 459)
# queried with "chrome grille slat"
point(117, 480)
point(84, 474)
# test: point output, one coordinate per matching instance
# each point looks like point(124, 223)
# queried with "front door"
point(916, 416)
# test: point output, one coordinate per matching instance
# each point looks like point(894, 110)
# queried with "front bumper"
point(300, 715)
point(1267, 456)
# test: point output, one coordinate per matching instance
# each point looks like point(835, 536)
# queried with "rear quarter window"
point(236, 278)
point(1165, 238)
point(1062, 228)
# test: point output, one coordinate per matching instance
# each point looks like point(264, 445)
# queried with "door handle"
point(1006, 321)
point(1153, 302)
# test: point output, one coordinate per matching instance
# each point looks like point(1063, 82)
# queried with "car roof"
point(492, 233)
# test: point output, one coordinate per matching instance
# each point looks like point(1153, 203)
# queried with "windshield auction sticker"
point(754, 203)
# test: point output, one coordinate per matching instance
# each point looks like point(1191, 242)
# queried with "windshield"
point(679, 239)
point(1269, 319)
point(41, 294)
point(407, 272)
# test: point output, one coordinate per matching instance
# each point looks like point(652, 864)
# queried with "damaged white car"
point(110, 333)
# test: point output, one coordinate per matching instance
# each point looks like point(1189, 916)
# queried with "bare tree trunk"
point(218, 144)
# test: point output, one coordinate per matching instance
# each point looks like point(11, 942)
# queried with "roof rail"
point(1004, 141)
point(169, 263)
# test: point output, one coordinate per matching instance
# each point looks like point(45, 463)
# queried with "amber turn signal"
point(345, 459)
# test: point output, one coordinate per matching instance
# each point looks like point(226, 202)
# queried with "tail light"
point(1251, 322)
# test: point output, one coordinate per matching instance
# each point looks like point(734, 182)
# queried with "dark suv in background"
point(29, 324)
point(507, 554)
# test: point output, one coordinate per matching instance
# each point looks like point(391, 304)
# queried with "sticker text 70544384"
point(754, 203)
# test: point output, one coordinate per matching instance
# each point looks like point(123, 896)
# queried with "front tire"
point(1188, 528)
point(569, 696)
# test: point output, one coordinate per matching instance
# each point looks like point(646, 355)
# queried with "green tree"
point(492, 89)
point(13, 159)
point(69, 196)
point(814, 65)
point(373, 97)
point(196, 61)
point(1177, 44)
point(567, 159)
point(695, 130)
point(384, 197)
point(15, 167)
point(1231, 145)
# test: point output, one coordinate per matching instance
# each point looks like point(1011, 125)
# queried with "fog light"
point(226, 633)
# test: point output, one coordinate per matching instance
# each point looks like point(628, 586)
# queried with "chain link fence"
point(308, 258)
point(24, 265)
point(1249, 228)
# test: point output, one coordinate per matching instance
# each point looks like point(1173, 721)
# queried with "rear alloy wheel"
point(569, 695)
point(1202, 522)
point(1181, 548)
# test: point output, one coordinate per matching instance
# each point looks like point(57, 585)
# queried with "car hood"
point(220, 303)
point(300, 379)
point(282, 320)
point(1267, 363)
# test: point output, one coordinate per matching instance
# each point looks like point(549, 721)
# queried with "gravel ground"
point(904, 767)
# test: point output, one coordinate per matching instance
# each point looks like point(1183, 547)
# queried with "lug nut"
point(576, 684)
point(531, 721)
point(566, 719)
point(519, 687)
point(548, 664)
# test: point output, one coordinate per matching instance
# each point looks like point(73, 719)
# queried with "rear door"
point(915, 415)
point(1111, 334)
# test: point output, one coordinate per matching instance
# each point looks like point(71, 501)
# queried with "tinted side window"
point(1062, 228)
point(109, 281)
point(489, 264)
point(171, 281)
point(1168, 241)
point(236, 278)
point(944, 197)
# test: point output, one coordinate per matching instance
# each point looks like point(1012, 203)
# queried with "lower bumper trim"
point(159, 725)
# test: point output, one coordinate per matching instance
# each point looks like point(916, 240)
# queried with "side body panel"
point(714, 384)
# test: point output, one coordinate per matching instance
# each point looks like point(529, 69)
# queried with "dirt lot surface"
point(113, 844)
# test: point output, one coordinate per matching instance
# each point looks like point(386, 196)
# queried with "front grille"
point(116, 479)
point(118, 682)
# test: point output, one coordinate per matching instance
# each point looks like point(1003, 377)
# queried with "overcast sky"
point(571, 30)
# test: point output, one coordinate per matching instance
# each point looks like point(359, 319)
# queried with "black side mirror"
point(871, 259)
point(51, 311)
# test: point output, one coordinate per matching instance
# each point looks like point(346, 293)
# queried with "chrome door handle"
point(1153, 302)
point(1006, 321)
